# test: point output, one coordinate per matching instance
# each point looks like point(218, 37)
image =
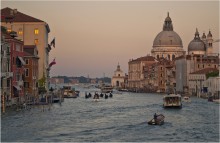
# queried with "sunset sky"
point(92, 37)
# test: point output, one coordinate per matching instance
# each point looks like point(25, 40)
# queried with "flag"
point(52, 63)
point(52, 43)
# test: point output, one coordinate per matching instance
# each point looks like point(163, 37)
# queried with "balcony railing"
point(7, 74)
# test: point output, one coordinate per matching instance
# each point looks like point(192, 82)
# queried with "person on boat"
point(110, 95)
point(155, 116)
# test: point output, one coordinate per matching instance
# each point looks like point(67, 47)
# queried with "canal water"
point(122, 118)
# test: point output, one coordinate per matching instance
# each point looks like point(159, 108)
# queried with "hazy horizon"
point(92, 37)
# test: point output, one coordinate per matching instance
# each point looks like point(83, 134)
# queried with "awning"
point(22, 61)
point(17, 87)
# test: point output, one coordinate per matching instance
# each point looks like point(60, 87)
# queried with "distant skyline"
point(92, 37)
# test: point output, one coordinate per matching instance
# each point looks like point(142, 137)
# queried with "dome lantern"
point(168, 26)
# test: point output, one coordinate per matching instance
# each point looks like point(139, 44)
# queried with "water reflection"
point(121, 118)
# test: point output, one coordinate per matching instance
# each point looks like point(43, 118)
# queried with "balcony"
point(7, 74)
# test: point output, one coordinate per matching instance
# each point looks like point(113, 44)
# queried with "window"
point(18, 47)
point(36, 41)
point(26, 84)
point(13, 60)
point(26, 61)
point(198, 66)
point(171, 42)
point(20, 32)
point(26, 72)
point(9, 30)
point(36, 31)
point(173, 57)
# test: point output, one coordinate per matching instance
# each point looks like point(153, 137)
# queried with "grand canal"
point(122, 118)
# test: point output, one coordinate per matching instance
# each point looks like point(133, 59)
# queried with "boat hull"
point(159, 120)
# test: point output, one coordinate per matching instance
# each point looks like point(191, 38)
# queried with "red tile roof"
point(19, 17)
point(205, 71)
point(146, 58)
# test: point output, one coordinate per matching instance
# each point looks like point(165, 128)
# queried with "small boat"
point(186, 99)
point(172, 100)
point(106, 89)
point(158, 121)
point(69, 93)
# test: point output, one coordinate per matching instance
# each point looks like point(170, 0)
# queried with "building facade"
point(118, 79)
point(198, 81)
point(31, 31)
point(136, 74)
point(6, 74)
point(17, 67)
point(31, 71)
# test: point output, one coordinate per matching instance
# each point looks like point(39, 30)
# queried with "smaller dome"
point(196, 45)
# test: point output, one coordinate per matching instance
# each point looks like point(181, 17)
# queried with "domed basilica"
point(167, 43)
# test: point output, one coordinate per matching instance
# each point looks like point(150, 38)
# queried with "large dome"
point(196, 44)
point(167, 38)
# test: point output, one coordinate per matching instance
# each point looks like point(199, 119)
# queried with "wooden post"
point(3, 103)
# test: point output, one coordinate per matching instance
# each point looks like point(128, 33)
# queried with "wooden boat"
point(172, 100)
point(158, 121)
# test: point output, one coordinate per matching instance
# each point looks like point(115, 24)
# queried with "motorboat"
point(158, 121)
point(106, 89)
point(172, 100)
point(68, 92)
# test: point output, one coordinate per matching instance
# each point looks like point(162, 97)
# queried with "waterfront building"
point(118, 79)
point(31, 31)
point(55, 80)
point(31, 72)
point(213, 86)
point(17, 67)
point(165, 75)
point(6, 74)
point(136, 79)
point(151, 77)
point(74, 81)
point(181, 74)
point(167, 43)
point(191, 63)
point(198, 79)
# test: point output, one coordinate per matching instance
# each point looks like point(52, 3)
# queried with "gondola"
point(159, 120)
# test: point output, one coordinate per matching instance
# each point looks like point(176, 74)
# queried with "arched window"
point(158, 56)
point(168, 56)
point(173, 57)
